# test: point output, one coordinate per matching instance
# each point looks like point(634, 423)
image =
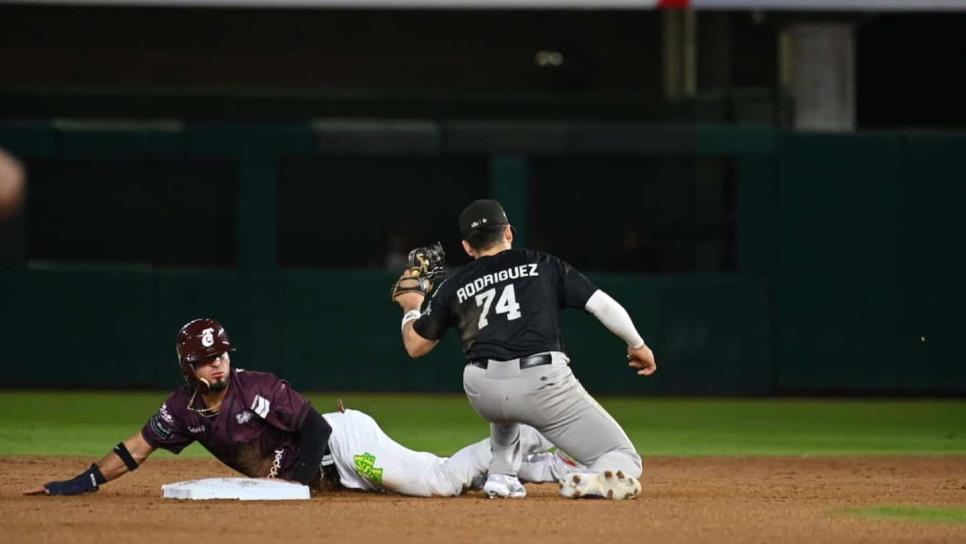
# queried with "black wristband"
point(86, 481)
point(121, 450)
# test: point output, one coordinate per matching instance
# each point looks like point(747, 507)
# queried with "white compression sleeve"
point(614, 317)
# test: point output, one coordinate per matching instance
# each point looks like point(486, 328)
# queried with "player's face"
point(215, 371)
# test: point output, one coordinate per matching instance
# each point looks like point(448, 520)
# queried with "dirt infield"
point(766, 499)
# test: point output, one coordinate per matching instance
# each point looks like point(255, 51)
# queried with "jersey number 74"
point(506, 304)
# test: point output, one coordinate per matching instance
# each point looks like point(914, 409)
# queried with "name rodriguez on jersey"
point(470, 289)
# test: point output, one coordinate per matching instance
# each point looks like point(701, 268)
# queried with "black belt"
point(525, 362)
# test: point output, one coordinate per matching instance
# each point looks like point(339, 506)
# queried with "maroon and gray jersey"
point(253, 433)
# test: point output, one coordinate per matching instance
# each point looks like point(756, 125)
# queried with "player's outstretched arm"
point(613, 316)
point(411, 302)
point(124, 458)
point(416, 345)
point(426, 266)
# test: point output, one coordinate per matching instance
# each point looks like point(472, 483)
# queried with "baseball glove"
point(425, 266)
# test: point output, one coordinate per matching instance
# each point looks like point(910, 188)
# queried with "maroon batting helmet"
point(199, 340)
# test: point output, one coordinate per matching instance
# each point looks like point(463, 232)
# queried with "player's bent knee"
point(632, 463)
point(628, 462)
point(638, 462)
point(443, 489)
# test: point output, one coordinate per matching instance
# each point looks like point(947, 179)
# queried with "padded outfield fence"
point(844, 261)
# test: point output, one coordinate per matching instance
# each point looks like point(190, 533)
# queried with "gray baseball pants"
point(550, 399)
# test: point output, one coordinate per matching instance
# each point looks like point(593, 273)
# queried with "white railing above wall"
point(376, 4)
point(827, 5)
point(787, 5)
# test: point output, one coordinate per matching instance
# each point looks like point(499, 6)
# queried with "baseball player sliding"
point(258, 425)
point(506, 305)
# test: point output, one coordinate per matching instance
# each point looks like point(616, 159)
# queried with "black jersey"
point(506, 305)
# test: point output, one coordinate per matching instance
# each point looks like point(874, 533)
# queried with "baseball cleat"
point(609, 484)
point(501, 486)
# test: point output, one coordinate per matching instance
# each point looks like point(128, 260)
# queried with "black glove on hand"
point(426, 267)
point(85, 482)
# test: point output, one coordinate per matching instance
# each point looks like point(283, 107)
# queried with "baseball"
point(12, 181)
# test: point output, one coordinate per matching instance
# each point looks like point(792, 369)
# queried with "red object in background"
point(673, 4)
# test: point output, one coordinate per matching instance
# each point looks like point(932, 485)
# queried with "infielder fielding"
point(506, 306)
point(258, 425)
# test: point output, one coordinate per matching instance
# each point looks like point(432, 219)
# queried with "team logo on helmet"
point(208, 337)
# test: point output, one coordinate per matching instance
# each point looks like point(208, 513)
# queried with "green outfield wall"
point(332, 330)
point(846, 277)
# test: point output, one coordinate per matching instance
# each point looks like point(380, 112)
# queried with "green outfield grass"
point(950, 514)
point(53, 423)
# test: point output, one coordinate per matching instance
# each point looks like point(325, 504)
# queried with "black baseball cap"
point(481, 215)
